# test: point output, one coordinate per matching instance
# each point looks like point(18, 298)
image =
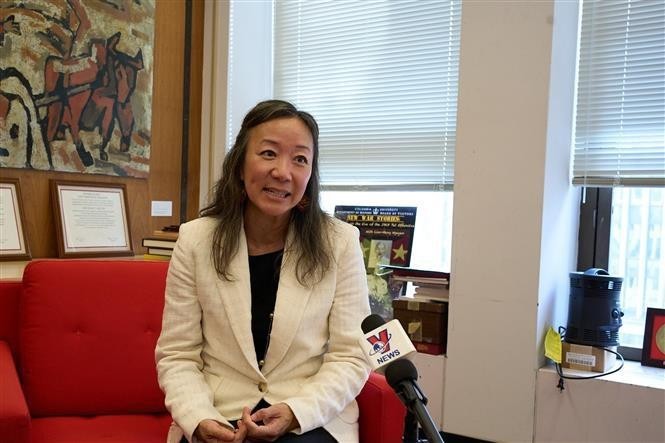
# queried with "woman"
point(264, 299)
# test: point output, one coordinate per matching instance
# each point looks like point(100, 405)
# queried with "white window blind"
point(620, 122)
point(380, 77)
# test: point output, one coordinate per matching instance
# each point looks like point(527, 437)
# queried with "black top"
point(264, 279)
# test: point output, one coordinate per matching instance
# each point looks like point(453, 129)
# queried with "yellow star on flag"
point(400, 253)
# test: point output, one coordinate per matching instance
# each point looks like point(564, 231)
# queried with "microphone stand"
point(410, 428)
point(414, 400)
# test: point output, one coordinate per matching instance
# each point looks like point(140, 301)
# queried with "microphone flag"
point(385, 342)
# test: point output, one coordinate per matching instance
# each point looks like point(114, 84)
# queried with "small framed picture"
point(92, 219)
point(653, 349)
point(13, 244)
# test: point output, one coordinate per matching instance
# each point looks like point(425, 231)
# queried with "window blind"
point(380, 77)
point(620, 121)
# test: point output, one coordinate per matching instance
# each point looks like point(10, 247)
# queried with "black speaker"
point(594, 311)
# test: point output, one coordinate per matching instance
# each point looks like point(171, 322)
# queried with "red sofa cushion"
point(106, 429)
point(10, 293)
point(87, 336)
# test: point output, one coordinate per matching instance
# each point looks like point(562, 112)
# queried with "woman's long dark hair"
point(309, 225)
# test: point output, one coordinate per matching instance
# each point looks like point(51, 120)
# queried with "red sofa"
point(77, 341)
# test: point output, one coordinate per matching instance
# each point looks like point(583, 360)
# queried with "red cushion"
point(107, 428)
point(381, 412)
point(87, 336)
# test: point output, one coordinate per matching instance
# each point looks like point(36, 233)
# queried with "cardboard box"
point(586, 358)
point(428, 348)
point(426, 322)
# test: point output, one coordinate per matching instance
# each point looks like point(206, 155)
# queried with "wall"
point(512, 200)
point(166, 151)
point(602, 410)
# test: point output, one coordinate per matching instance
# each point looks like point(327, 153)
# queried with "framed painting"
point(653, 348)
point(76, 85)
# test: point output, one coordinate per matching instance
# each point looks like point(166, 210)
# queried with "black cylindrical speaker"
point(594, 311)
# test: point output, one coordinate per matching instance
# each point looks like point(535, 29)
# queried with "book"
point(403, 271)
point(160, 251)
point(170, 228)
point(155, 257)
point(431, 286)
point(152, 242)
point(421, 280)
point(429, 292)
point(432, 283)
point(166, 235)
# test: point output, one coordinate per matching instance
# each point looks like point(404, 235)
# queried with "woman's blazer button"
point(263, 387)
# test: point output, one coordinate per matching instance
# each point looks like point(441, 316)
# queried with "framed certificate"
point(13, 244)
point(92, 219)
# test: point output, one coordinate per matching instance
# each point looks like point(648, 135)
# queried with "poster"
point(386, 237)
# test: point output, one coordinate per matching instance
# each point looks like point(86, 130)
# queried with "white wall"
point(514, 216)
point(560, 221)
point(602, 410)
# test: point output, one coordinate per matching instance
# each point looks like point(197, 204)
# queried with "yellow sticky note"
point(553, 345)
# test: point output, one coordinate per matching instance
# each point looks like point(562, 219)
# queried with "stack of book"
point(427, 285)
point(160, 244)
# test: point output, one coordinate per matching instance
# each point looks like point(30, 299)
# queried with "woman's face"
point(278, 165)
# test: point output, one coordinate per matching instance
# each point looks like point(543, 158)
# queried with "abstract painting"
point(76, 85)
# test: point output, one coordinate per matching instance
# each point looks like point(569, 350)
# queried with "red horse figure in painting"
point(91, 92)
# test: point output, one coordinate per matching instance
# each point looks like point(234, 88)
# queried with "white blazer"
point(205, 355)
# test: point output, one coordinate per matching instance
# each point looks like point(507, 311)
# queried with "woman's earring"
point(303, 204)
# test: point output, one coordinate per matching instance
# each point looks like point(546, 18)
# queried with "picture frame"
point(653, 348)
point(92, 219)
point(13, 239)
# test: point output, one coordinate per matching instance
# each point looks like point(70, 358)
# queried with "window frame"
point(593, 249)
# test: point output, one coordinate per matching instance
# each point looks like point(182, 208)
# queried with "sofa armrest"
point(381, 412)
point(14, 414)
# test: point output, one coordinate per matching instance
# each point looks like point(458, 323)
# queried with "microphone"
point(383, 343)
point(401, 376)
point(387, 348)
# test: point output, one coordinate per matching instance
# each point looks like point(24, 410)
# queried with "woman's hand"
point(211, 431)
point(268, 424)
